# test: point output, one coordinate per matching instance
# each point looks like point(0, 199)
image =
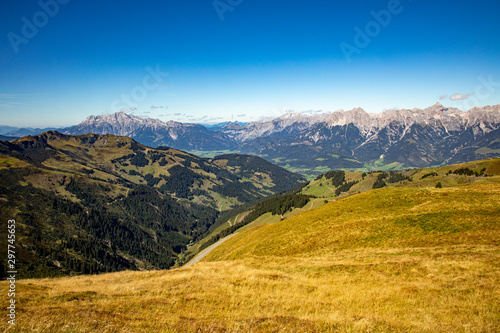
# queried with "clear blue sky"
point(250, 59)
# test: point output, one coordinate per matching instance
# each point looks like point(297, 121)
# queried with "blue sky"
point(210, 61)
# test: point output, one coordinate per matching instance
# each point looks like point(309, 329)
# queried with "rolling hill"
point(337, 185)
point(96, 203)
point(385, 218)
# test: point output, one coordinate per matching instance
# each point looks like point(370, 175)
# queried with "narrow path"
point(235, 220)
point(312, 204)
point(333, 190)
point(203, 253)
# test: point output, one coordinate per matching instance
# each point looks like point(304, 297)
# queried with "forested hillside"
point(100, 203)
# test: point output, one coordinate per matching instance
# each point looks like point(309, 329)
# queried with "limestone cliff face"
point(152, 132)
point(416, 137)
point(451, 119)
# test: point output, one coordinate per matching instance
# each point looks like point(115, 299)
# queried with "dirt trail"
point(206, 251)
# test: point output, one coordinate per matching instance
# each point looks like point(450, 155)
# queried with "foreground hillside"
point(386, 218)
point(392, 259)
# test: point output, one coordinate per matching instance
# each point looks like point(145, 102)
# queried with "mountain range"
point(353, 139)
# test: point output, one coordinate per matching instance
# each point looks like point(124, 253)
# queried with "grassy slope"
point(394, 259)
point(324, 190)
point(387, 218)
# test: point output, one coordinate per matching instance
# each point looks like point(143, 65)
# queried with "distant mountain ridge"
point(393, 139)
point(152, 132)
point(16, 132)
point(351, 139)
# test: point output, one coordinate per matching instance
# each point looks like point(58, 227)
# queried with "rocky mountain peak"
point(357, 129)
point(231, 126)
point(121, 118)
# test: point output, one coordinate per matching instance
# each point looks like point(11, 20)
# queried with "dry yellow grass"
point(425, 290)
point(391, 260)
point(385, 218)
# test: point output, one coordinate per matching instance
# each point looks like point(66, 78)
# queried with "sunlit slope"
point(389, 260)
point(385, 218)
point(324, 190)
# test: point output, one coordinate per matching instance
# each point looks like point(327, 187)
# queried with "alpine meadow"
point(250, 166)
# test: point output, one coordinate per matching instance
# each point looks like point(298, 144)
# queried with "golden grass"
point(424, 290)
point(391, 260)
point(389, 217)
point(266, 218)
